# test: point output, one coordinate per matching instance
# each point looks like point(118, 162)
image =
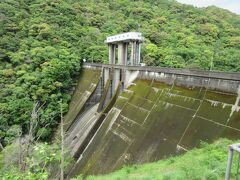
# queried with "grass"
point(208, 162)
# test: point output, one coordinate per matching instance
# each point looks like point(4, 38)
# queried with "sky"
point(232, 5)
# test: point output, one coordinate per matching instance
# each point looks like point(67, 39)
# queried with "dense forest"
point(43, 41)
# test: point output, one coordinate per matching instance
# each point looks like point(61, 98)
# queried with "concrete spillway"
point(86, 85)
point(151, 120)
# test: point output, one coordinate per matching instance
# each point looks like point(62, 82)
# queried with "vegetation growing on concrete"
point(151, 118)
point(208, 162)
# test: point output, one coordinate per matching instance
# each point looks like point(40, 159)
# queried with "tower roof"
point(125, 37)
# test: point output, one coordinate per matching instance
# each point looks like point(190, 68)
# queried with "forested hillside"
point(43, 41)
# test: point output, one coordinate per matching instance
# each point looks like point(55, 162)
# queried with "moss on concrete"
point(153, 120)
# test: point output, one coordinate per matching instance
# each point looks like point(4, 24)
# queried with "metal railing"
point(232, 148)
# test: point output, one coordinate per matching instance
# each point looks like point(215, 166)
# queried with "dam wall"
point(221, 81)
point(158, 112)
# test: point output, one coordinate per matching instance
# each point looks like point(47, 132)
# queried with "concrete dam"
point(130, 114)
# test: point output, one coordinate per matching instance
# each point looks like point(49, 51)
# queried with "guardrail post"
point(232, 148)
point(229, 163)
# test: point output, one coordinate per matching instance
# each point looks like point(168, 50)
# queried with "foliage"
point(37, 63)
point(43, 160)
point(42, 42)
point(208, 162)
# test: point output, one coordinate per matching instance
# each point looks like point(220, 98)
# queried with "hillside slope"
point(42, 42)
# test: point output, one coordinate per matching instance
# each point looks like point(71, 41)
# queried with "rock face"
point(152, 120)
